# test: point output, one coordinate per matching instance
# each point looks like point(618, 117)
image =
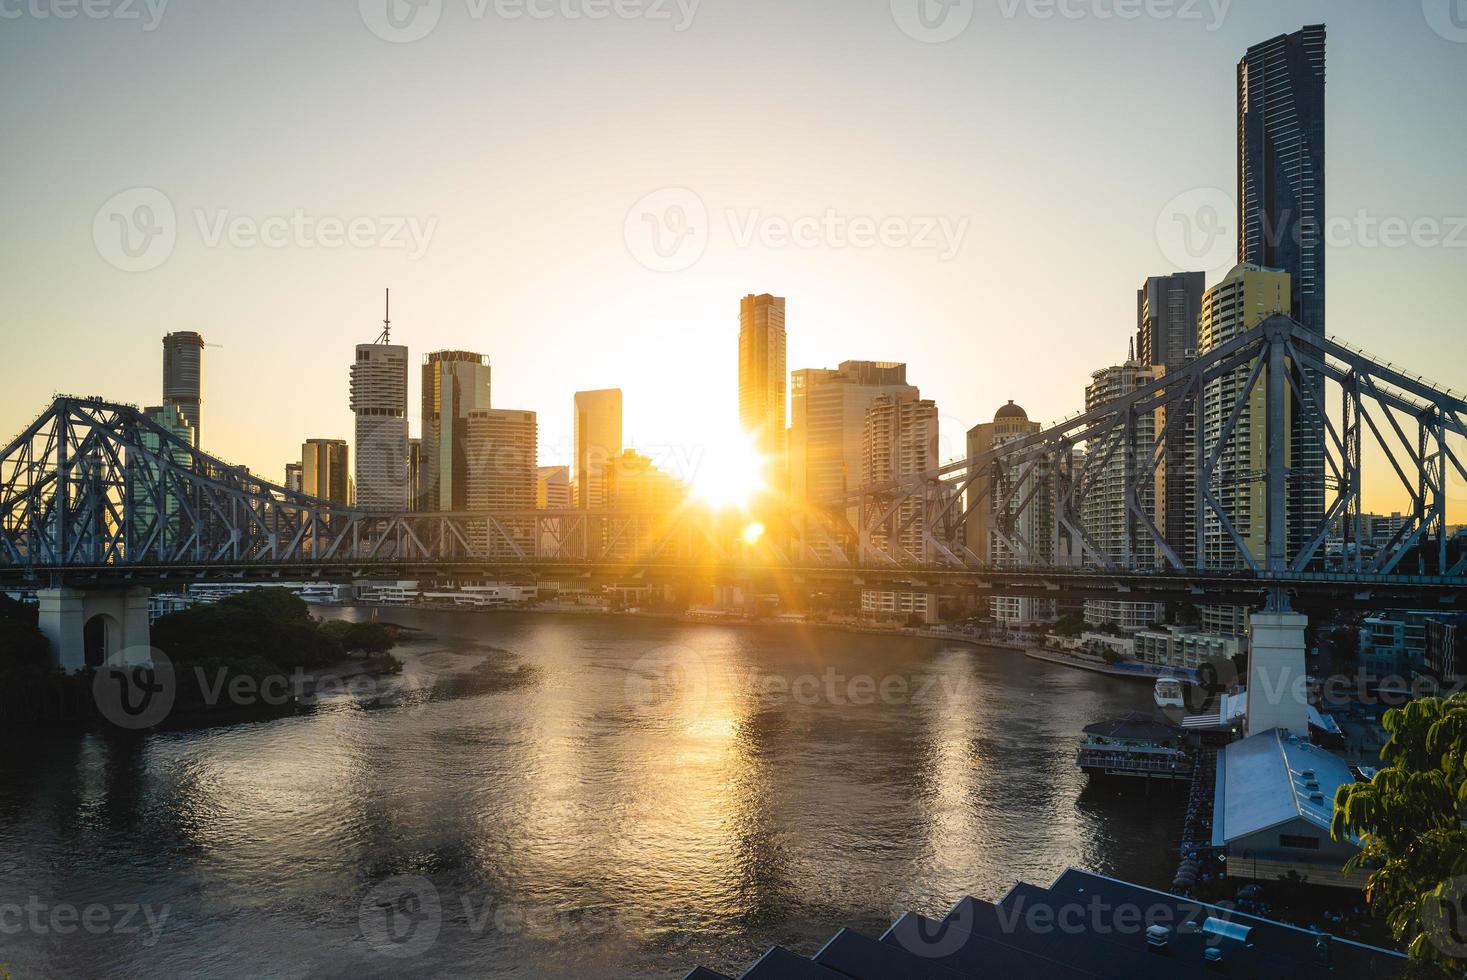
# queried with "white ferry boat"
point(1168, 693)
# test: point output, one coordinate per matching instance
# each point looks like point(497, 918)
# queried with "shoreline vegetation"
point(256, 655)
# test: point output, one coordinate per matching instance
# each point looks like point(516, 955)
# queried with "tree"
point(274, 604)
point(1409, 823)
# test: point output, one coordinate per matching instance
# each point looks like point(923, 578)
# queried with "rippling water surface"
point(585, 796)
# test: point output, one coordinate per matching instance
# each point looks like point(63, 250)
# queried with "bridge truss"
point(1316, 411)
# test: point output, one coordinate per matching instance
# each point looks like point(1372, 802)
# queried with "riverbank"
point(1131, 671)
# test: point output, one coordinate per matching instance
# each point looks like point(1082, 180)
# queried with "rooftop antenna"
point(386, 337)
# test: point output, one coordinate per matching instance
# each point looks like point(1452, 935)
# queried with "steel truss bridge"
point(94, 492)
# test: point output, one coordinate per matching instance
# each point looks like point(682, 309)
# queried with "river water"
point(567, 795)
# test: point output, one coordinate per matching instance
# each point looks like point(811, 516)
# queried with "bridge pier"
point(86, 627)
point(1278, 695)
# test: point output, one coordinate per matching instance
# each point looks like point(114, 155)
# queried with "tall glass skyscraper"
point(1281, 216)
point(761, 370)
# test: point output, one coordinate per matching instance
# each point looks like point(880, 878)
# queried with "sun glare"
point(729, 472)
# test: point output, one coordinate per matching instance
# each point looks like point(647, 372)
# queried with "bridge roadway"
point(1247, 588)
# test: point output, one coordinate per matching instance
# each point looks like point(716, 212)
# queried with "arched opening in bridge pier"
point(100, 639)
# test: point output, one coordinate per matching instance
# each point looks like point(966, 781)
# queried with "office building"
point(183, 376)
point(552, 488)
point(1114, 530)
point(1167, 308)
point(597, 441)
point(646, 499)
point(379, 392)
point(828, 428)
point(324, 470)
point(1281, 217)
point(762, 371)
point(502, 474)
point(1243, 299)
point(294, 477)
point(1032, 539)
point(148, 531)
point(455, 383)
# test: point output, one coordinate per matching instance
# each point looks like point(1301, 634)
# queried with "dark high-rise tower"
point(1167, 308)
point(1281, 216)
point(1281, 206)
point(183, 375)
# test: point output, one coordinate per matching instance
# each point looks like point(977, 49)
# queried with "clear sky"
point(1018, 173)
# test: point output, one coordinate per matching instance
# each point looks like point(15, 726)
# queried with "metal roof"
point(1272, 778)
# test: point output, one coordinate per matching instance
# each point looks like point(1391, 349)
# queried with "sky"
point(583, 189)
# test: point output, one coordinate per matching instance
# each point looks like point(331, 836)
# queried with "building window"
point(1299, 842)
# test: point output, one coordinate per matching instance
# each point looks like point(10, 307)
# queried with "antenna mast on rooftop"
point(386, 337)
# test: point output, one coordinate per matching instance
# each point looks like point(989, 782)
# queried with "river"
point(542, 795)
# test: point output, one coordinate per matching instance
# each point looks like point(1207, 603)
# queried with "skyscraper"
point(1281, 215)
point(900, 440)
point(455, 383)
point(762, 371)
point(324, 470)
point(597, 440)
point(828, 426)
point(1034, 524)
point(183, 376)
point(379, 386)
point(1242, 300)
point(552, 488)
point(1108, 520)
point(1167, 308)
point(502, 449)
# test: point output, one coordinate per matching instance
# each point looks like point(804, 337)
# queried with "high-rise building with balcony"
point(1281, 218)
point(1025, 534)
point(183, 376)
point(900, 440)
point(1114, 530)
point(379, 383)
point(1243, 299)
point(455, 383)
point(597, 441)
point(762, 371)
point(828, 426)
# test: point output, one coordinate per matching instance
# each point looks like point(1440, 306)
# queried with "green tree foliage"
point(261, 625)
point(21, 642)
point(369, 638)
point(1409, 819)
point(275, 605)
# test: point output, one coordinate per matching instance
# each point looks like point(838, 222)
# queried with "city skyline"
point(953, 315)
